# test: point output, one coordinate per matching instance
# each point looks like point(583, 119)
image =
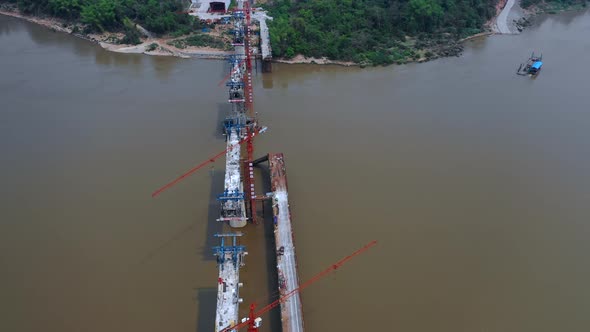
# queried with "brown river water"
point(475, 182)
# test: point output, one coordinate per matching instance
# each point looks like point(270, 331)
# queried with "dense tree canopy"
point(368, 29)
point(371, 31)
point(159, 16)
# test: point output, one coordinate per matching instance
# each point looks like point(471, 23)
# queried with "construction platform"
point(229, 260)
point(291, 309)
point(233, 207)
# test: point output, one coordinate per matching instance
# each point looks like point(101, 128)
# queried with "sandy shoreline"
point(508, 13)
point(320, 61)
point(162, 48)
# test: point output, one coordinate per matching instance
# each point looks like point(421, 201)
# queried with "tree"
point(32, 6)
point(102, 14)
point(68, 9)
point(424, 14)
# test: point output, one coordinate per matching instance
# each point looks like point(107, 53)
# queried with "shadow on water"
point(47, 37)
point(223, 110)
point(213, 226)
point(177, 236)
point(80, 48)
point(267, 82)
point(164, 67)
point(42, 35)
point(8, 25)
point(206, 299)
point(224, 73)
point(131, 62)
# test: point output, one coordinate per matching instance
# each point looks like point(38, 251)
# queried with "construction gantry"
point(229, 260)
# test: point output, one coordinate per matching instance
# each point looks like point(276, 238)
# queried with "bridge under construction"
point(238, 200)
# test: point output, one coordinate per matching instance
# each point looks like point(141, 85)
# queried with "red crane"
point(248, 89)
point(250, 132)
point(201, 165)
point(248, 86)
point(250, 321)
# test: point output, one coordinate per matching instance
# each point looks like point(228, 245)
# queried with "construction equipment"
point(205, 163)
point(248, 93)
point(224, 80)
point(253, 320)
point(241, 97)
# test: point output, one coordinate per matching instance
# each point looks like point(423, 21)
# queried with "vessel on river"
point(532, 66)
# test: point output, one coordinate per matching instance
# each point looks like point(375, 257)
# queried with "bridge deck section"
point(264, 37)
point(235, 210)
point(228, 292)
point(227, 296)
point(291, 310)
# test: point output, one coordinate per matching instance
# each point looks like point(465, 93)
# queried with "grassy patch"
point(151, 47)
point(200, 40)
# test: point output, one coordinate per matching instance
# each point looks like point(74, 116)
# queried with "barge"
point(532, 66)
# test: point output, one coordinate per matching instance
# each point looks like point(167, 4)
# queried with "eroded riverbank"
point(510, 19)
point(425, 50)
point(148, 46)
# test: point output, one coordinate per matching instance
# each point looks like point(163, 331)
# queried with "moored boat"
point(532, 66)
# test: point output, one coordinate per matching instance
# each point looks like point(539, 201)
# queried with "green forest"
point(158, 16)
point(362, 31)
point(370, 30)
point(380, 31)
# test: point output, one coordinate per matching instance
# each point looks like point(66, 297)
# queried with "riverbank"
point(510, 18)
point(414, 50)
point(108, 40)
point(417, 51)
point(424, 50)
point(319, 61)
point(513, 18)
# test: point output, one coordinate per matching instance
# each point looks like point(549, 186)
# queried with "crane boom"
point(201, 165)
point(301, 287)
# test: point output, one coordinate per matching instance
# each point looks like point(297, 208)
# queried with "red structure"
point(248, 92)
point(252, 324)
point(252, 129)
point(203, 164)
point(250, 321)
point(248, 172)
